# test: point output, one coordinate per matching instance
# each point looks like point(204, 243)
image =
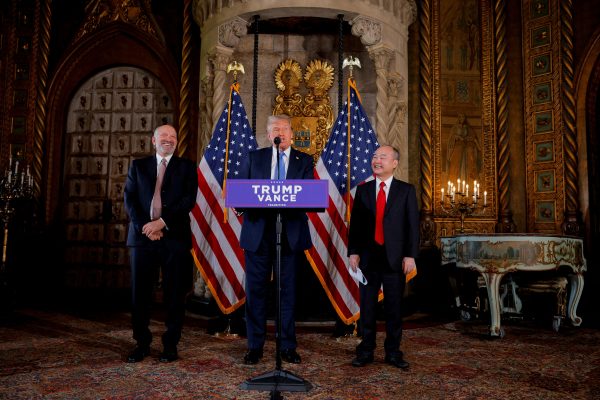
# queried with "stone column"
point(382, 56)
point(219, 60)
point(225, 39)
point(398, 112)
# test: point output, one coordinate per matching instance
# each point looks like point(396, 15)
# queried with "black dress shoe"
point(169, 354)
point(397, 362)
point(362, 360)
point(253, 356)
point(291, 356)
point(138, 354)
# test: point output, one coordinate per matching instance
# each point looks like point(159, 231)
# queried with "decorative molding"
point(184, 90)
point(381, 57)
point(427, 224)
point(543, 98)
point(219, 60)
point(100, 13)
point(231, 32)
point(367, 29)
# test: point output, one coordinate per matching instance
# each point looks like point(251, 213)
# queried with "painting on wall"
point(541, 64)
point(544, 151)
point(540, 36)
point(542, 93)
point(545, 211)
point(544, 181)
point(539, 8)
point(543, 122)
point(460, 68)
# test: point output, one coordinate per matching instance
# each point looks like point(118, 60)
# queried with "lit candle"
point(484, 198)
point(449, 187)
point(442, 195)
point(458, 184)
point(16, 167)
point(467, 193)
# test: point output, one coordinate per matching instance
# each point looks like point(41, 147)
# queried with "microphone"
point(276, 141)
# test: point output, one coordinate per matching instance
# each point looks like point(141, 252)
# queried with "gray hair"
point(273, 118)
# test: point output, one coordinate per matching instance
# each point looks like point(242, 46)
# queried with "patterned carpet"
point(49, 355)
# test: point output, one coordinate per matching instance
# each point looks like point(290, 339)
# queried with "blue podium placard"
point(289, 193)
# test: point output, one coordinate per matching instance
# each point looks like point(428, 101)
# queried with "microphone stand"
point(278, 380)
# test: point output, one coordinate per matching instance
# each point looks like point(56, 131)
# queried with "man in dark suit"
point(383, 242)
point(258, 240)
point(160, 192)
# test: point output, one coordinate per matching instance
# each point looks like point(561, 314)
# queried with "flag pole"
point(350, 62)
point(235, 67)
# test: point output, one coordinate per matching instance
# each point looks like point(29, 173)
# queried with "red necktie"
point(379, 214)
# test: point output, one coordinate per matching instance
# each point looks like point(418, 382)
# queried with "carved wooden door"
point(110, 122)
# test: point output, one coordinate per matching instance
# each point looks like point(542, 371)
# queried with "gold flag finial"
point(235, 67)
point(351, 62)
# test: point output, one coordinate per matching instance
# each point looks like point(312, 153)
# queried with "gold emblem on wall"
point(312, 114)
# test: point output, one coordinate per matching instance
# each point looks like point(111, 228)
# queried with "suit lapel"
point(371, 198)
point(392, 195)
point(293, 165)
point(267, 158)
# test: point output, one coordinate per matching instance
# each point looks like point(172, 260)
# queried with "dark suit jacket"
point(178, 196)
point(295, 221)
point(400, 223)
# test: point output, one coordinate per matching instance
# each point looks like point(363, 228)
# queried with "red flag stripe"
point(340, 277)
point(216, 207)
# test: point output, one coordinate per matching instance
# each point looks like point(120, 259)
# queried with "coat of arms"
point(311, 114)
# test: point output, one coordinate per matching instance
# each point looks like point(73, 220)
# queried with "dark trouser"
point(378, 273)
point(259, 265)
point(175, 261)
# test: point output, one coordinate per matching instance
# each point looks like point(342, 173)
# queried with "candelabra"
point(458, 203)
point(14, 187)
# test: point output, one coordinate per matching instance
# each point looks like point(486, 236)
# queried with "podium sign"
point(289, 193)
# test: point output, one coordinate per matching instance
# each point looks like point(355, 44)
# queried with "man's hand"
point(354, 261)
point(155, 236)
point(408, 264)
point(153, 228)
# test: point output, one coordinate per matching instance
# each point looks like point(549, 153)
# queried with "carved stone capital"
point(220, 58)
point(231, 32)
point(381, 56)
point(367, 29)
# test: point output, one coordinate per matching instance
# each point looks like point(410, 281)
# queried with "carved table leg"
point(576, 281)
point(492, 282)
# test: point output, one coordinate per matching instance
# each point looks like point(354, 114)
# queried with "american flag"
point(216, 244)
point(329, 229)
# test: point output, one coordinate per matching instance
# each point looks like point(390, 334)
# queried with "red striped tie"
point(379, 214)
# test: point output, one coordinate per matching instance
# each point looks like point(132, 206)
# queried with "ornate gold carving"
point(184, 91)
point(441, 70)
point(288, 77)
point(100, 13)
point(40, 111)
point(571, 224)
point(545, 208)
point(428, 225)
point(312, 115)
